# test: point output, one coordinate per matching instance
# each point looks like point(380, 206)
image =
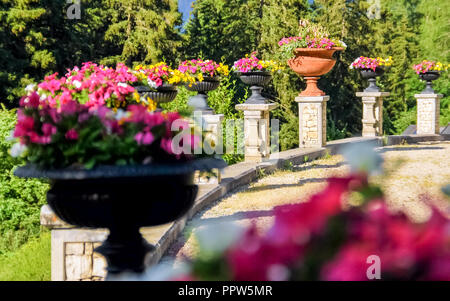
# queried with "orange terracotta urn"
point(312, 63)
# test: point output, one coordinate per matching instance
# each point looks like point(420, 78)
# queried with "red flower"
point(72, 134)
point(349, 265)
point(32, 100)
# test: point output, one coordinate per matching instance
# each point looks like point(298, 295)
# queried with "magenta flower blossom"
point(49, 129)
point(146, 138)
point(32, 100)
point(72, 134)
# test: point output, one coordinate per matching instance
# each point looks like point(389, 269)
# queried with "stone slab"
point(429, 96)
point(307, 99)
point(256, 107)
point(373, 94)
point(411, 130)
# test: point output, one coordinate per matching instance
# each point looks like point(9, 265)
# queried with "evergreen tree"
point(395, 34)
point(347, 21)
point(144, 31)
point(222, 30)
point(24, 45)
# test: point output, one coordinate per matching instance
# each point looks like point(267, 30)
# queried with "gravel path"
point(412, 172)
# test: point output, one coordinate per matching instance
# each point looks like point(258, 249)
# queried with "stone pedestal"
point(372, 121)
point(257, 130)
point(428, 113)
point(213, 129)
point(312, 114)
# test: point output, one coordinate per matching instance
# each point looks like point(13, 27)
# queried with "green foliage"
point(222, 27)
point(223, 101)
point(20, 199)
point(32, 262)
point(143, 30)
point(333, 133)
point(180, 104)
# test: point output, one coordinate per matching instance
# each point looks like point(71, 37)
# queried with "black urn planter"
point(163, 94)
point(123, 199)
point(199, 102)
point(371, 76)
point(429, 77)
point(256, 80)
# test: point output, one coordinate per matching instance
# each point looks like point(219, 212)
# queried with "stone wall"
point(82, 263)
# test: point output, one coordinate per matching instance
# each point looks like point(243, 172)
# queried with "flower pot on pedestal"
point(256, 80)
point(199, 102)
point(312, 63)
point(371, 76)
point(123, 199)
point(163, 94)
point(429, 77)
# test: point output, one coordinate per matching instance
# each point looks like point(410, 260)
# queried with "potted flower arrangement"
point(256, 73)
point(429, 71)
point(203, 76)
point(371, 68)
point(158, 82)
point(311, 54)
point(109, 167)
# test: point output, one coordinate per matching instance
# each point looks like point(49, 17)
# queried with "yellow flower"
point(223, 69)
point(137, 97)
point(152, 105)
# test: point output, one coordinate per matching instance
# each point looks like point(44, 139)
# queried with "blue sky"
point(185, 8)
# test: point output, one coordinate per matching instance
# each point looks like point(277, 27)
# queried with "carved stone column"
point(372, 113)
point(257, 130)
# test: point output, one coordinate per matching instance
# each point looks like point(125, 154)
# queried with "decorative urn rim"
point(254, 73)
point(127, 171)
point(370, 73)
point(210, 79)
point(317, 52)
point(432, 72)
point(163, 88)
point(319, 49)
point(207, 84)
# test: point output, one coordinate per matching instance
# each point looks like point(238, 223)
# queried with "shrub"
point(20, 199)
point(32, 262)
